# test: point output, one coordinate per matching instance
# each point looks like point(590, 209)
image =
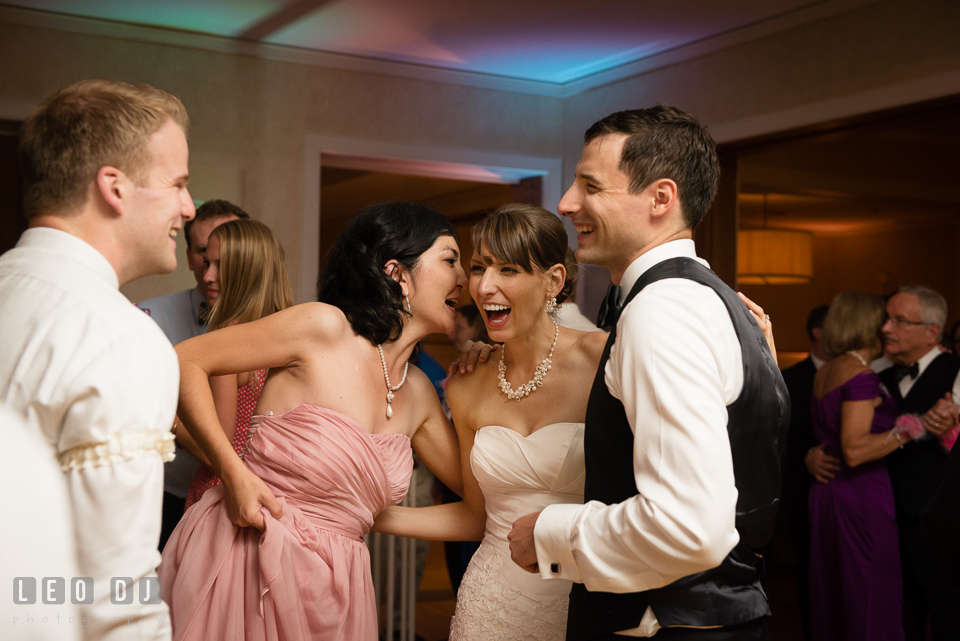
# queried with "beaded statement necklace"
point(386, 378)
point(533, 384)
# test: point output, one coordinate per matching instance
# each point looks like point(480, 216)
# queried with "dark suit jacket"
point(915, 470)
point(800, 438)
point(940, 518)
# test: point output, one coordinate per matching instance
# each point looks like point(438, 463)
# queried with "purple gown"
point(855, 584)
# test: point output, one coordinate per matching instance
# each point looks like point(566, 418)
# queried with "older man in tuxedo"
point(924, 381)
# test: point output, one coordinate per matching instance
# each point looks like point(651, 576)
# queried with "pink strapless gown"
point(309, 576)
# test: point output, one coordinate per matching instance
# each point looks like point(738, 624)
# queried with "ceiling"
point(547, 41)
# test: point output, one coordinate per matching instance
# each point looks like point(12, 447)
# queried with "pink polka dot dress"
point(247, 397)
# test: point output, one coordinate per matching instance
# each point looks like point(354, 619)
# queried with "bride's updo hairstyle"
point(529, 237)
point(354, 279)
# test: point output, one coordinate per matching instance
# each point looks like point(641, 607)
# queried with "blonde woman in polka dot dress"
point(247, 280)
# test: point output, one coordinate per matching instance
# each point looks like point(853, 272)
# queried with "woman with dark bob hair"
point(855, 585)
point(520, 425)
point(276, 551)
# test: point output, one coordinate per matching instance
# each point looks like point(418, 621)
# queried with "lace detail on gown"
point(488, 608)
point(518, 475)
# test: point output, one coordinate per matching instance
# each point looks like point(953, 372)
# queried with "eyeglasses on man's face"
point(901, 323)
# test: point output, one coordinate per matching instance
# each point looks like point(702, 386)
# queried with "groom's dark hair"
point(664, 142)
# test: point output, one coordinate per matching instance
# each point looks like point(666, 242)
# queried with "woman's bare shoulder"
point(464, 388)
point(319, 319)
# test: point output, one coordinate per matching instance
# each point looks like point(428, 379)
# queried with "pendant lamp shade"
point(774, 257)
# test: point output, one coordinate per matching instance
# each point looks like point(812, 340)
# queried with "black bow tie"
point(899, 371)
point(610, 308)
point(203, 315)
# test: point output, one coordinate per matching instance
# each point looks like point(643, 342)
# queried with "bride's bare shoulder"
point(466, 385)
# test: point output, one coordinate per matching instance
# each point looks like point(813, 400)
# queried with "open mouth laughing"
point(496, 314)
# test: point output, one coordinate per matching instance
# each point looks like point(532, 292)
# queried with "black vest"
point(731, 593)
point(915, 470)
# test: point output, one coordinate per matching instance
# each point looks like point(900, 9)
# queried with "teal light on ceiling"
point(219, 17)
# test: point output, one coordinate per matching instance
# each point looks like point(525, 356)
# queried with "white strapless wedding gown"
point(498, 600)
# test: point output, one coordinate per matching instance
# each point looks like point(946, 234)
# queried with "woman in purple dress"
point(855, 585)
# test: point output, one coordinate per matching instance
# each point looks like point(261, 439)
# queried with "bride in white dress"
point(519, 419)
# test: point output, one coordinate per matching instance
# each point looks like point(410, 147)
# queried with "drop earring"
point(551, 305)
point(407, 298)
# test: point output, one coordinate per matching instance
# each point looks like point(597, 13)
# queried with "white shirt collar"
point(927, 358)
point(673, 249)
point(817, 361)
point(63, 244)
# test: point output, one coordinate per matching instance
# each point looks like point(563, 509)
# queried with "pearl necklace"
point(536, 382)
point(386, 377)
point(859, 358)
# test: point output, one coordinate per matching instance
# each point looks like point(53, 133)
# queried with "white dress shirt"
point(676, 364)
point(906, 383)
point(37, 538)
point(98, 380)
point(177, 315)
point(570, 316)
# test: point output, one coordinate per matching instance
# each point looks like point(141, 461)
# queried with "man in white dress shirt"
point(677, 503)
point(105, 189)
point(183, 315)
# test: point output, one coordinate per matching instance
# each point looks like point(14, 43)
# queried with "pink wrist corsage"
point(909, 424)
point(951, 438)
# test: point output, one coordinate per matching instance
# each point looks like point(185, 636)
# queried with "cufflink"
point(555, 568)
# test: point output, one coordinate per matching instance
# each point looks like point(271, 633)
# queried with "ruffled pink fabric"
point(307, 577)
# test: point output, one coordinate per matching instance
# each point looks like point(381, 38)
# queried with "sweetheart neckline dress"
point(518, 475)
point(308, 575)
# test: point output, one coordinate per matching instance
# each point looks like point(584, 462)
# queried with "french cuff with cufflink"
point(552, 537)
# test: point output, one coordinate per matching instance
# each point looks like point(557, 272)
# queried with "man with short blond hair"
point(105, 177)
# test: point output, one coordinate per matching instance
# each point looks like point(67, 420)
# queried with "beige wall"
point(886, 45)
point(249, 116)
point(879, 56)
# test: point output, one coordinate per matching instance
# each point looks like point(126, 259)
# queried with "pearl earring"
point(551, 305)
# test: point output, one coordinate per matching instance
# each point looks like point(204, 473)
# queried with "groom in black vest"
point(923, 381)
point(687, 413)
